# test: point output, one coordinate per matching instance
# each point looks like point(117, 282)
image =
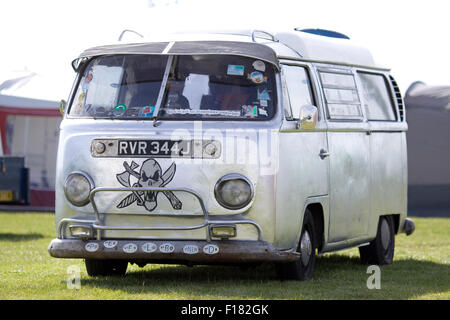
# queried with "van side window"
point(377, 100)
point(298, 87)
point(341, 95)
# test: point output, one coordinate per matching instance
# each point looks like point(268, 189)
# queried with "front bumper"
point(168, 251)
point(206, 251)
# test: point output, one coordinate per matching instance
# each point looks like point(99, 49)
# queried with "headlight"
point(233, 191)
point(77, 188)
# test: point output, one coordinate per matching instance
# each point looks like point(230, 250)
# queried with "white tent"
point(428, 116)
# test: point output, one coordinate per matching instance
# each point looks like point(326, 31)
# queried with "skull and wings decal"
point(150, 175)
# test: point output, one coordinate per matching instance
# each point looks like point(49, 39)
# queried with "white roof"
point(27, 103)
point(316, 47)
point(296, 44)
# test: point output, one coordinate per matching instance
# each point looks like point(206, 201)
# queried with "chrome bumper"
point(172, 251)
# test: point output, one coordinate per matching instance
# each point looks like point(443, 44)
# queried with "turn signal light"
point(222, 231)
point(79, 231)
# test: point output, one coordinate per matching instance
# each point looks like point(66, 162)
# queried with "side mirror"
point(62, 106)
point(309, 116)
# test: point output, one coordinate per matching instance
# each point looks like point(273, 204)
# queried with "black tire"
point(303, 268)
point(381, 250)
point(96, 267)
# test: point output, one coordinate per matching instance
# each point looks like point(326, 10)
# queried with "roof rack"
point(128, 30)
point(325, 33)
point(263, 32)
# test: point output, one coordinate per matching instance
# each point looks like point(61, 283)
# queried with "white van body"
point(315, 162)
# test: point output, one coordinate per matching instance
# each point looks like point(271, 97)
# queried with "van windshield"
point(193, 87)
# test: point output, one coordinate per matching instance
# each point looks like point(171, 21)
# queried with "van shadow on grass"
point(336, 277)
point(17, 237)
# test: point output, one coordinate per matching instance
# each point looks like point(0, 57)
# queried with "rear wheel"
point(381, 250)
point(303, 268)
point(96, 267)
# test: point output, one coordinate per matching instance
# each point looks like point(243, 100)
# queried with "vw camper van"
point(231, 148)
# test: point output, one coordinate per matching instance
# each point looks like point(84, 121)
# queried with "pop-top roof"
point(256, 44)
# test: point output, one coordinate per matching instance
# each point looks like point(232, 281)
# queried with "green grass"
point(420, 271)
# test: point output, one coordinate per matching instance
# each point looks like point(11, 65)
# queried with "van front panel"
point(119, 144)
point(243, 152)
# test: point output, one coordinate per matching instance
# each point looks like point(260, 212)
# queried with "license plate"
point(130, 148)
point(155, 148)
point(6, 196)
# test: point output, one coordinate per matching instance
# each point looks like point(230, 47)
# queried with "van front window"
point(195, 88)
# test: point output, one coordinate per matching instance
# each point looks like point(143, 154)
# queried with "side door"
point(302, 174)
point(349, 153)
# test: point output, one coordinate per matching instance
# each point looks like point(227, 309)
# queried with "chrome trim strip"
point(331, 62)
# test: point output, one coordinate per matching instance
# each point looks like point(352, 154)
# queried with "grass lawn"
point(421, 270)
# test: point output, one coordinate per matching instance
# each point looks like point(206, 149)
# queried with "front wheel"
point(381, 250)
point(96, 267)
point(303, 268)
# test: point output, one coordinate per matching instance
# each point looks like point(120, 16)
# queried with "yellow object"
point(6, 196)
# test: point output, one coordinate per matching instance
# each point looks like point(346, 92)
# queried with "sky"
point(44, 36)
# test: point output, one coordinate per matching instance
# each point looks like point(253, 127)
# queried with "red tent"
point(29, 128)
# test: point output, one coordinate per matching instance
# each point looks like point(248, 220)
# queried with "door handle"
point(323, 154)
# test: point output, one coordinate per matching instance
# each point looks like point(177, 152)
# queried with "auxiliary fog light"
point(222, 231)
point(234, 191)
point(80, 231)
point(77, 188)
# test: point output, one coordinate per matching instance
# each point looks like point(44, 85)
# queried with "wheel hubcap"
point(385, 234)
point(305, 248)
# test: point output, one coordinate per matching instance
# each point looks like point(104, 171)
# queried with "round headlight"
point(77, 188)
point(233, 191)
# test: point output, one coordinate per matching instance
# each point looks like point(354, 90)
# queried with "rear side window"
point(377, 100)
point(341, 95)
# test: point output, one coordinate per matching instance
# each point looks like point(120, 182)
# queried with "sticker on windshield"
point(79, 105)
point(235, 70)
point(259, 65)
point(249, 111)
point(85, 85)
point(263, 112)
point(257, 77)
point(147, 111)
point(119, 110)
point(99, 111)
point(207, 112)
point(263, 95)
